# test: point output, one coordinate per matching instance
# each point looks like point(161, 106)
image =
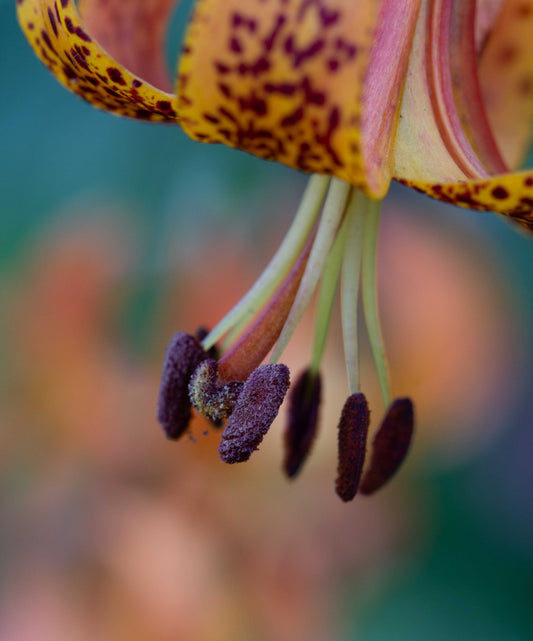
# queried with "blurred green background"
point(114, 235)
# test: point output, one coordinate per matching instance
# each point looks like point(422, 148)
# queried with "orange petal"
point(58, 37)
point(133, 32)
point(464, 80)
point(281, 80)
point(383, 89)
point(508, 194)
point(506, 73)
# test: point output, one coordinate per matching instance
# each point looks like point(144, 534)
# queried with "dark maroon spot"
point(81, 34)
point(69, 25)
point(270, 40)
point(69, 73)
point(213, 119)
point(221, 67)
point(64, 4)
point(283, 88)
point(115, 75)
point(293, 118)
point(235, 45)
point(225, 89)
point(260, 66)
point(136, 83)
point(52, 19)
point(164, 105)
point(328, 18)
point(500, 193)
point(227, 114)
point(110, 91)
point(47, 41)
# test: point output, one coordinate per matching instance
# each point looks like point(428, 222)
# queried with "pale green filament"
point(328, 289)
point(280, 264)
point(329, 223)
point(369, 296)
point(351, 270)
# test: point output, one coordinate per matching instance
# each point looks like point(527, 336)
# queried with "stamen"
point(334, 208)
point(281, 262)
point(390, 446)
point(304, 401)
point(250, 350)
point(212, 399)
point(369, 295)
point(353, 429)
point(351, 270)
point(184, 354)
point(255, 410)
point(328, 290)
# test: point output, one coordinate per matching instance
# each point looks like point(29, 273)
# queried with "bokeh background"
point(115, 234)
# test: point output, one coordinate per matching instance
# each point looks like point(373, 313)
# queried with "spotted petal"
point(508, 194)
point(66, 47)
point(284, 79)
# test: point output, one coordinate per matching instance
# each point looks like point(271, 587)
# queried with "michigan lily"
point(437, 94)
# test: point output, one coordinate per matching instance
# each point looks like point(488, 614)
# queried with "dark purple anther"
point(304, 401)
point(184, 354)
point(255, 410)
point(353, 429)
point(390, 446)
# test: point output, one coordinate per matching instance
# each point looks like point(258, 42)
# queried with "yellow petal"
point(133, 32)
point(60, 40)
point(506, 73)
point(508, 194)
point(281, 79)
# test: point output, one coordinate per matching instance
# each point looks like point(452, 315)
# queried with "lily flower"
point(437, 94)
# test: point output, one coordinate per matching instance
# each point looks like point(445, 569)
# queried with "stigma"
point(329, 251)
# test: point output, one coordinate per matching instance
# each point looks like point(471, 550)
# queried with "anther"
point(184, 354)
point(390, 446)
point(209, 396)
point(353, 429)
point(254, 412)
point(304, 401)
